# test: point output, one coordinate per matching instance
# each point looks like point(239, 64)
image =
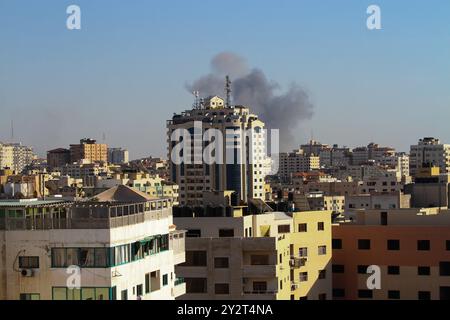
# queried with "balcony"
point(179, 287)
point(259, 295)
point(297, 262)
point(259, 271)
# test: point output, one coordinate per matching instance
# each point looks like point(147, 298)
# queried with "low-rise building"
point(411, 248)
point(122, 245)
point(232, 254)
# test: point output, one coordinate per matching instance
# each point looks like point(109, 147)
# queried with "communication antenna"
point(12, 130)
point(228, 91)
point(196, 99)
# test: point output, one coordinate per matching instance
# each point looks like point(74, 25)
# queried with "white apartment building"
point(399, 161)
point(430, 151)
point(297, 161)
point(244, 174)
point(15, 156)
point(118, 156)
point(120, 246)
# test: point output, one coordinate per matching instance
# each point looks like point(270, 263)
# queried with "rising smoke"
point(250, 87)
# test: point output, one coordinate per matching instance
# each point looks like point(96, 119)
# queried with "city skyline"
point(388, 85)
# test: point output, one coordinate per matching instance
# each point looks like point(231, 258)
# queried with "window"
point(147, 283)
point(320, 226)
point(424, 295)
point(384, 218)
point(423, 271)
point(260, 286)
point(259, 259)
point(29, 262)
point(221, 262)
point(447, 245)
point(365, 294)
point(362, 269)
point(322, 274)
point(195, 259)
point(124, 295)
point(303, 276)
point(423, 245)
point(303, 252)
point(337, 268)
point(165, 280)
point(336, 243)
point(444, 268)
point(87, 257)
point(393, 270)
point(302, 227)
point(338, 293)
point(139, 291)
point(281, 284)
point(393, 294)
point(284, 228)
point(194, 233)
point(393, 244)
point(322, 250)
point(223, 233)
point(222, 288)
point(323, 296)
point(60, 293)
point(196, 285)
point(30, 296)
point(364, 244)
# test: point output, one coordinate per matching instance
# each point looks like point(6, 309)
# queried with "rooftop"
point(29, 203)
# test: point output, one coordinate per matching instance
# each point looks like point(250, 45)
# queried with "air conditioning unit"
point(294, 286)
point(27, 272)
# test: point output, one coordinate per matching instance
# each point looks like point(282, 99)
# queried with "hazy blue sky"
point(124, 73)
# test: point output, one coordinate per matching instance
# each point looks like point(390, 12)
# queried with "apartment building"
point(150, 184)
point(58, 158)
point(231, 254)
point(378, 200)
point(334, 188)
point(118, 156)
point(335, 157)
point(398, 161)
point(410, 246)
point(242, 168)
point(295, 162)
point(430, 151)
point(15, 156)
point(84, 168)
point(317, 200)
point(373, 151)
point(122, 245)
point(313, 148)
point(90, 150)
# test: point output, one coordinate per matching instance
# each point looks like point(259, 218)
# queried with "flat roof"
point(29, 202)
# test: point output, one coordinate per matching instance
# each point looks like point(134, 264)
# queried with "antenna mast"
point(196, 99)
point(12, 130)
point(228, 91)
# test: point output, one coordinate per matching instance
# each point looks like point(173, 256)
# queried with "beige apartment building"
point(297, 161)
point(90, 150)
point(411, 247)
point(234, 255)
